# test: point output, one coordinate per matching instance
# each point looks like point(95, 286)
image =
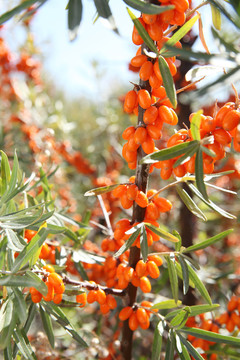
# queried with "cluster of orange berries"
point(231, 318)
point(54, 284)
point(107, 302)
point(137, 315)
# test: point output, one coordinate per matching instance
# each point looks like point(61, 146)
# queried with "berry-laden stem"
point(142, 174)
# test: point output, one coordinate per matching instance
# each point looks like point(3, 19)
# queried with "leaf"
point(212, 336)
point(192, 351)
point(14, 242)
point(207, 151)
point(235, 20)
point(8, 323)
point(195, 125)
point(179, 243)
point(180, 319)
point(62, 320)
point(178, 35)
point(23, 344)
point(26, 280)
point(184, 355)
point(38, 283)
point(168, 82)
point(167, 304)
point(194, 263)
point(143, 33)
point(74, 17)
point(199, 285)
point(128, 243)
point(190, 204)
point(87, 257)
point(47, 324)
point(169, 153)
point(180, 275)
point(195, 310)
point(157, 343)
point(5, 172)
point(187, 156)
point(210, 203)
point(185, 274)
point(104, 11)
point(147, 8)
point(173, 277)
point(201, 71)
point(101, 190)
point(201, 35)
point(165, 235)
point(216, 17)
point(20, 306)
point(208, 242)
point(221, 189)
point(169, 355)
point(144, 243)
point(200, 174)
point(9, 14)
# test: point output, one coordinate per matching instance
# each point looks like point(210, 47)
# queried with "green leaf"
point(207, 151)
point(173, 277)
point(179, 243)
point(184, 355)
point(199, 285)
point(62, 320)
point(38, 283)
point(210, 203)
point(187, 156)
point(212, 336)
point(20, 306)
point(192, 351)
point(26, 280)
point(169, 355)
point(195, 125)
point(167, 304)
point(209, 241)
point(144, 243)
point(169, 153)
point(47, 324)
point(143, 33)
point(8, 323)
point(9, 14)
point(195, 310)
point(190, 204)
point(235, 20)
point(165, 235)
point(7, 353)
point(157, 343)
point(194, 263)
point(5, 172)
point(200, 174)
point(15, 243)
point(147, 8)
point(168, 82)
point(184, 274)
point(128, 243)
point(31, 251)
point(23, 344)
point(180, 275)
point(101, 190)
point(104, 11)
point(74, 17)
point(178, 35)
point(180, 319)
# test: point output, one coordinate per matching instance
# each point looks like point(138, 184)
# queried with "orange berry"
point(141, 199)
point(119, 191)
point(222, 113)
point(92, 296)
point(101, 296)
point(138, 60)
point(132, 146)
point(168, 115)
point(125, 313)
point(145, 325)
point(141, 268)
point(128, 155)
point(149, 19)
point(57, 298)
point(36, 297)
point(125, 202)
point(223, 318)
point(132, 192)
point(208, 124)
point(148, 145)
point(153, 269)
point(59, 289)
point(142, 315)
point(29, 234)
point(49, 268)
point(55, 279)
point(231, 120)
point(150, 115)
point(140, 135)
point(81, 299)
point(233, 303)
point(133, 322)
point(180, 5)
point(104, 308)
point(222, 136)
point(111, 301)
point(155, 31)
point(154, 82)
point(236, 319)
point(144, 98)
point(159, 92)
point(157, 259)
point(136, 38)
point(45, 252)
point(179, 170)
point(122, 282)
point(128, 273)
point(152, 211)
point(135, 280)
point(146, 70)
point(145, 284)
point(157, 73)
point(163, 204)
point(131, 99)
point(50, 293)
point(128, 132)
point(230, 325)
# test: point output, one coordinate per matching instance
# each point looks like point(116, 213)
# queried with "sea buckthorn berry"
point(50, 293)
point(155, 31)
point(141, 268)
point(149, 19)
point(168, 115)
point(154, 82)
point(145, 284)
point(101, 296)
point(125, 313)
point(223, 318)
point(138, 60)
point(128, 273)
point(132, 146)
point(222, 113)
point(146, 70)
point(153, 269)
point(119, 191)
point(104, 308)
point(150, 115)
point(144, 98)
point(231, 120)
point(190, 165)
point(55, 279)
point(163, 204)
point(156, 258)
point(81, 299)
point(157, 73)
point(230, 325)
point(45, 252)
point(131, 99)
point(148, 304)
point(92, 296)
point(133, 322)
point(208, 123)
point(141, 199)
point(128, 132)
point(233, 303)
point(172, 66)
point(142, 315)
point(236, 319)
point(59, 289)
point(122, 283)
point(132, 192)
point(125, 202)
point(159, 92)
point(128, 155)
point(180, 5)
point(152, 211)
point(135, 280)
point(57, 298)
point(222, 136)
point(145, 325)
point(154, 132)
point(217, 149)
point(136, 38)
point(36, 297)
point(140, 135)
point(29, 234)
point(111, 301)
point(179, 170)
point(148, 145)
point(49, 268)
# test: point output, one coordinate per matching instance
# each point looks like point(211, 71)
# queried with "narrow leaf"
point(5, 172)
point(216, 17)
point(195, 125)
point(235, 20)
point(181, 318)
point(14, 242)
point(199, 285)
point(47, 324)
point(165, 235)
point(187, 156)
point(180, 275)
point(157, 344)
point(200, 174)
point(23, 344)
point(195, 310)
point(192, 351)
point(9, 14)
point(169, 355)
point(190, 204)
point(173, 278)
point(20, 306)
point(101, 190)
point(144, 243)
point(167, 81)
point(74, 17)
point(147, 8)
point(128, 243)
point(212, 336)
point(167, 304)
point(184, 274)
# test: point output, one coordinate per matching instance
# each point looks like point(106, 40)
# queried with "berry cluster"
point(137, 315)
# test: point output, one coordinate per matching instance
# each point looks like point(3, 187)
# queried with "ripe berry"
point(145, 284)
point(141, 199)
point(81, 299)
point(125, 313)
point(144, 98)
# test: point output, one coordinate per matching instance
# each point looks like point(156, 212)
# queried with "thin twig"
point(105, 213)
